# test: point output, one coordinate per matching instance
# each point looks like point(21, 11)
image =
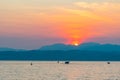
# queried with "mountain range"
point(83, 52)
point(7, 49)
point(91, 46)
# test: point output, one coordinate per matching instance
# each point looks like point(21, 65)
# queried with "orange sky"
point(71, 21)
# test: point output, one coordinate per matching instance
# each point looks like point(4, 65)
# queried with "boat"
point(108, 62)
point(67, 62)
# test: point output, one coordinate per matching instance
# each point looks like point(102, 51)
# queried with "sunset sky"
point(30, 24)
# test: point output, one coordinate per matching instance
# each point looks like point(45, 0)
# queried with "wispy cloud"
point(108, 9)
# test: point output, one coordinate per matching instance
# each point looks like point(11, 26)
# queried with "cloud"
point(109, 9)
point(84, 13)
point(88, 19)
point(96, 5)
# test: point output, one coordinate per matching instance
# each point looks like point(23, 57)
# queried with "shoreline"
point(59, 61)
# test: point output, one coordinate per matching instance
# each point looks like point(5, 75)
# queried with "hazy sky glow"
point(32, 23)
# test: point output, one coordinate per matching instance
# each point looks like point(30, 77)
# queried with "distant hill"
point(9, 49)
point(58, 46)
point(84, 52)
point(91, 46)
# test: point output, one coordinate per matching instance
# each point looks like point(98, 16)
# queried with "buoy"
point(58, 62)
point(31, 64)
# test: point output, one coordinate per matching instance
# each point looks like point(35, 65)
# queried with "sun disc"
point(76, 44)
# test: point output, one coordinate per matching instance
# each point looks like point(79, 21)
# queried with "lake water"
point(13, 70)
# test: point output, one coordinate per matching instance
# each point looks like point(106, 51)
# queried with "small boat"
point(67, 62)
point(108, 62)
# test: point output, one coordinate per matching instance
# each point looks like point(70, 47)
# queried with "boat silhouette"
point(67, 62)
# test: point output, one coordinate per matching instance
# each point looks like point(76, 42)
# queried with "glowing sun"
point(75, 44)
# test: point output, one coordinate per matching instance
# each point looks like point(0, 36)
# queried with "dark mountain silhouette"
point(84, 52)
point(85, 46)
point(9, 49)
point(58, 46)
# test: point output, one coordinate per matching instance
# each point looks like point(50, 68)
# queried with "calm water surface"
point(10, 70)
